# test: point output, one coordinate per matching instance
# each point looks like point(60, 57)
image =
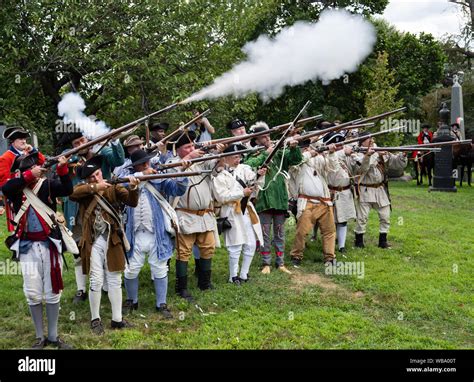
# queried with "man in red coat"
point(16, 137)
point(425, 136)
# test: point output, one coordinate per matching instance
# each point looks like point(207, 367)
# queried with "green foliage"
point(130, 58)
point(382, 97)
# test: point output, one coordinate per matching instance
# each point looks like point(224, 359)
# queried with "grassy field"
point(417, 295)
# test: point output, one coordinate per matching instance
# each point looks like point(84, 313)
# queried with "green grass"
point(417, 295)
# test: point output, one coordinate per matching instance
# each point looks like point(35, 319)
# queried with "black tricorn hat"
point(25, 162)
point(363, 136)
point(140, 156)
point(258, 129)
point(187, 137)
point(234, 147)
point(236, 123)
point(15, 132)
point(333, 138)
point(91, 166)
point(321, 125)
point(159, 126)
point(67, 138)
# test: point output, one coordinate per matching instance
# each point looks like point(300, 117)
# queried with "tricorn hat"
point(185, 138)
point(364, 136)
point(333, 138)
point(159, 126)
point(91, 166)
point(234, 147)
point(25, 162)
point(236, 123)
point(12, 133)
point(67, 138)
point(258, 129)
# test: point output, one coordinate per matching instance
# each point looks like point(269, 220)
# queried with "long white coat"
point(227, 190)
point(343, 200)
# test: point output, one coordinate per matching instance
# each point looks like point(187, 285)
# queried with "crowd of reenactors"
point(113, 227)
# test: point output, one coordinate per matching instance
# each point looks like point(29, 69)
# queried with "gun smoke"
point(336, 45)
point(71, 108)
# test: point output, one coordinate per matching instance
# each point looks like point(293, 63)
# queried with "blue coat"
point(163, 240)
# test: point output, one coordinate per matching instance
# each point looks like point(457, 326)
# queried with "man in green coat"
point(272, 200)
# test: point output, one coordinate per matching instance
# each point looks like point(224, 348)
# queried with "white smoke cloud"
point(71, 108)
point(337, 44)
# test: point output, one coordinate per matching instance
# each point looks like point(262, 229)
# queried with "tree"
point(125, 58)
point(383, 96)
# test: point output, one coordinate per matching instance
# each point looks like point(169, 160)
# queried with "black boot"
point(383, 241)
point(204, 275)
point(182, 280)
point(359, 240)
point(196, 267)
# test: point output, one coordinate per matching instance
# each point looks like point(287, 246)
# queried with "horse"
point(463, 155)
point(424, 165)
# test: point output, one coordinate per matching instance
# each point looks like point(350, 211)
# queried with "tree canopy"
point(127, 59)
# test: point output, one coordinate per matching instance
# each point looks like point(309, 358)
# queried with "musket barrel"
point(211, 157)
point(107, 136)
point(440, 144)
point(253, 135)
point(160, 176)
point(182, 128)
point(401, 149)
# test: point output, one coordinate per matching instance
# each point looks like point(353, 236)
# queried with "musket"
point(108, 136)
point(318, 133)
point(359, 139)
point(440, 144)
point(160, 176)
point(180, 129)
point(244, 201)
point(400, 149)
point(359, 122)
point(211, 157)
point(280, 142)
point(272, 130)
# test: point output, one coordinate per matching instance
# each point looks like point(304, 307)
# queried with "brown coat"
point(84, 195)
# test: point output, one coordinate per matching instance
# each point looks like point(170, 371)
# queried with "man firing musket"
point(272, 202)
point(197, 223)
point(372, 187)
point(151, 229)
point(103, 244)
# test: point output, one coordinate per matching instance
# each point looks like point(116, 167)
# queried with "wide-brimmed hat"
point(140, 156)
point(133, 140)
